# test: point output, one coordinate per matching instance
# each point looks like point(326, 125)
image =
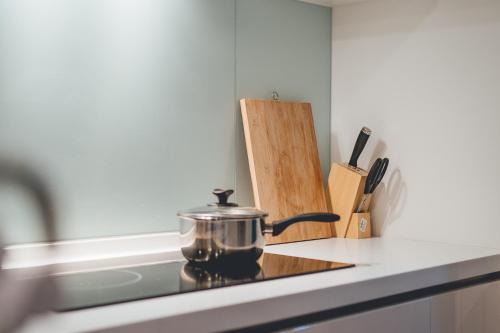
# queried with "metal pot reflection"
point(194, 276)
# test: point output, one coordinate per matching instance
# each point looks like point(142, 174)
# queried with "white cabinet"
point(412, 317)
point(472, 310)
point(445, 312)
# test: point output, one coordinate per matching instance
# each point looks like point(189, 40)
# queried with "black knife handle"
point(363, 136)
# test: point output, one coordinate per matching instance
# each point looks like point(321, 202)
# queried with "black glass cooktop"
point(105, 287)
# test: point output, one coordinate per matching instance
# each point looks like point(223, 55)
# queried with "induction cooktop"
point(111, 286)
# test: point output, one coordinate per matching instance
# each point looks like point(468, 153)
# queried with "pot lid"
point(222, 213)
point(222, 210)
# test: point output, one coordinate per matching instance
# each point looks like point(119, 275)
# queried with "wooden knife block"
point(360, 226)
point(345, 192)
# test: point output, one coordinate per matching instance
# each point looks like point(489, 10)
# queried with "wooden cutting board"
point(284, 165)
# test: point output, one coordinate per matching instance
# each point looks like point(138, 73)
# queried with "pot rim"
point(223, 214)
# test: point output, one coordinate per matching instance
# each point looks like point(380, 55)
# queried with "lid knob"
point(223, 195)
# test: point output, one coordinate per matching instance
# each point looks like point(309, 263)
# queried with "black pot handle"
point(277, 227)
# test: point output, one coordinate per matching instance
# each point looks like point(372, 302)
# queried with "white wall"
point(425, 76)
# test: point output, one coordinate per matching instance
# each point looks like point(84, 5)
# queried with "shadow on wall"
point(243, 183)
point(388, 202)
point(336, 154)
point(379, 151)
point(390, 196)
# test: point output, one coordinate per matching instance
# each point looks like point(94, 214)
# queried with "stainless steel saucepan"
point(223, 232)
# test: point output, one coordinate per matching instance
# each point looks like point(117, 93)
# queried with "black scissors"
point(374, 178)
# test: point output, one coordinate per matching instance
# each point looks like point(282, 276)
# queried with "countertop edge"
point(283, 308)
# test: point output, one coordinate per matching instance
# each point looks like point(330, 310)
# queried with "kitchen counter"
point(385, 270)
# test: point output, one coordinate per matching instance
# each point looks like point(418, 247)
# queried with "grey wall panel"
point(129, 107)
point(283, 45)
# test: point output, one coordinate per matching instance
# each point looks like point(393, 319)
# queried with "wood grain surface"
point(275, 265)
point(284, 165)
point(358, 228)
point(345, 190)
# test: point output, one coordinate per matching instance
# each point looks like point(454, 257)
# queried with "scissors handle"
point(376, 174)
point(371, 178)
point(380, 173)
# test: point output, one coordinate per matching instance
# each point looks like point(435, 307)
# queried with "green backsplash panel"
point(129, 107)
point(285, 46)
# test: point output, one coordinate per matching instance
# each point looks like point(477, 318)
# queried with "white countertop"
point(384, 267)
